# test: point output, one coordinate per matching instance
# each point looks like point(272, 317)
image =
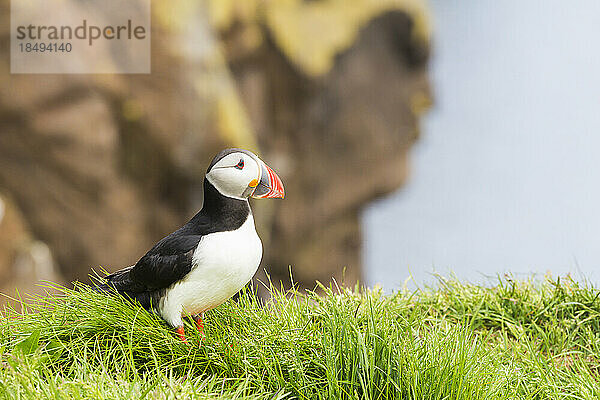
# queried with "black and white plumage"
point(214, 255)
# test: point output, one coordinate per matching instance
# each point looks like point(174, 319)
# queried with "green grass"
point(517, 340)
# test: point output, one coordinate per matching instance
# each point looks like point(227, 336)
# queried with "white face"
point(233, 174)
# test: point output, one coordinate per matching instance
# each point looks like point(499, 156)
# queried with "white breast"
point(223, 263)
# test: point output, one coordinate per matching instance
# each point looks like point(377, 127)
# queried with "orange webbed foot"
point(199, 324)
point(181, 334)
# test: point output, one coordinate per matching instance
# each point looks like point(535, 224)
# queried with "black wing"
point(171, 258)
point(167, 262)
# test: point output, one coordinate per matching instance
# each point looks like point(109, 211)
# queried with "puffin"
point(214, 255)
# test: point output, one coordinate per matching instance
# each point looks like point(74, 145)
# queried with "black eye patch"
point(240, 165)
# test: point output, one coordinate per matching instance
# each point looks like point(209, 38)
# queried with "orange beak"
point(269, 186)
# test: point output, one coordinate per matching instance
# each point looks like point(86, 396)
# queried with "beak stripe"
point(276, 189)
point(269, 185)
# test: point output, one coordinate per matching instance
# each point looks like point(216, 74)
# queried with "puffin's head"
point(240, 174)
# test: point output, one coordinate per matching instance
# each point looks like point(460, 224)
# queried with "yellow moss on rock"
point(310, 34)
point(192, 39)
point(174, 16)
point(233, 123)
point(224, 12)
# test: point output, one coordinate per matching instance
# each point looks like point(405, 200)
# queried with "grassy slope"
point(518, 340)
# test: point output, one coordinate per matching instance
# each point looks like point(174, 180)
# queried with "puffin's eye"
point(240, 165)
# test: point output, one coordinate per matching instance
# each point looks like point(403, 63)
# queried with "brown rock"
point(25, 263)
point(102, 166)
point(339, 141)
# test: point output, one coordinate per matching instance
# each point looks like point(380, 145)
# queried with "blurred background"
point(436, 136)
point(505, 176)
point(94, 169)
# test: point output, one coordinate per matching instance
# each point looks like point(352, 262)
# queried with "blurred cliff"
point(95, 168)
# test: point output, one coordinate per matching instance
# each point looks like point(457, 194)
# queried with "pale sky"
point(506, 174)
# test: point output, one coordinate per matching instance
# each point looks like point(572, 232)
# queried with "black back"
point(171, 258)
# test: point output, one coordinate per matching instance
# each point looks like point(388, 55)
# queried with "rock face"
point(24, 261)
point(340, 127)
point(103, 166)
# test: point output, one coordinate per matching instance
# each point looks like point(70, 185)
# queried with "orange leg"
point(181, 334)
point(199, 323)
